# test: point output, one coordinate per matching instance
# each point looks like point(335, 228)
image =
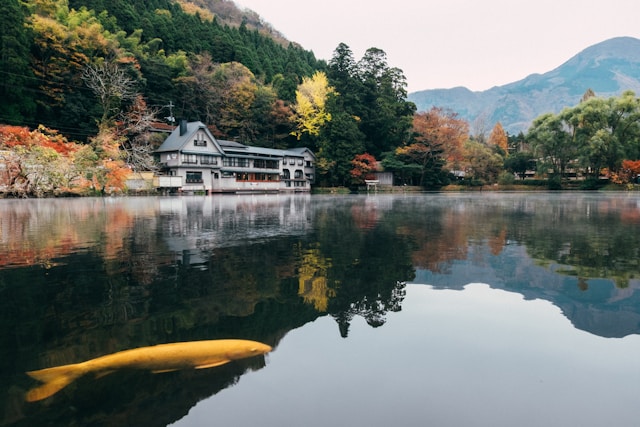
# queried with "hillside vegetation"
point(84, 83)
point(97, 73)
point(163, 47)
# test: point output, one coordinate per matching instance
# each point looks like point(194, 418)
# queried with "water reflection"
point(87, 277)
point(482, 358)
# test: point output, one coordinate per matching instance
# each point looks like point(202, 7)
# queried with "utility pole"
point(170, 119)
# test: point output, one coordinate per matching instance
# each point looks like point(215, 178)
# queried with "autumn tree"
point(235, 89)
point(106, 171)
point(278, 128)
point(310, 107)
point(444, 129)
point(438, 136)
point(196, 89)
point(498, 138)
point(39, 162)
point(363, 166)
point(629, 172)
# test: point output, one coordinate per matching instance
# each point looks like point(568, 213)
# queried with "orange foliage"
point(13, 136)
point(443, 129)
point(117, 174)
point(363, 165)
point(629, 172)
point(365, 216)
point(499, 137)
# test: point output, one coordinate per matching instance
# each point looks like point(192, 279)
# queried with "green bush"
point(506, 178)
point(593, 184)
point(554, 183)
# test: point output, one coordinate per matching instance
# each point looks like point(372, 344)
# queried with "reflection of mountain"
point(600, 308)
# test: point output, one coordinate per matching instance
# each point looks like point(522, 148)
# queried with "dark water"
point(410, 310)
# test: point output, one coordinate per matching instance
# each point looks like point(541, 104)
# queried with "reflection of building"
point(195, 227)
point(192, 160)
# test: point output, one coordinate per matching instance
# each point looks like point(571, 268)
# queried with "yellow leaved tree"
point(310, 108)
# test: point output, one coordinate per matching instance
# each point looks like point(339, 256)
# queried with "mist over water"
point(491, 309)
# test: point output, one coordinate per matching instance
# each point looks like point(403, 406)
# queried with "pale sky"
point(449, 43)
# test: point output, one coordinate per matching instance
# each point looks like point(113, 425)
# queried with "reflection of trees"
point(589, 240)
point(593, 237)
point(312, 278)
point(113, 280)
point(368, 267)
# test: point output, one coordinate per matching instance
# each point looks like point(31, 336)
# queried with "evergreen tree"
point(338, 143)
point(386, 115)
point(15, 74)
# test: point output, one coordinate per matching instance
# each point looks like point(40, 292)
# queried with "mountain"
point(227, 12)
point(608, 68)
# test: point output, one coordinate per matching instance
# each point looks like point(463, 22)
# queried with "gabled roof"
point(176, 142)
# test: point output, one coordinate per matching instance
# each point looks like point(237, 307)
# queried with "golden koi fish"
point(157, 358)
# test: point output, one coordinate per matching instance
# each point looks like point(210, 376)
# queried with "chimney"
point(183, 127)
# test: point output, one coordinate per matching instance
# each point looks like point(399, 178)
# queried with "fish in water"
point(157, 358)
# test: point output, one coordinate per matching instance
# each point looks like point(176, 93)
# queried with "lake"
point(466, 309)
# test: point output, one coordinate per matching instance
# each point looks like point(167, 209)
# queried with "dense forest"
point(84, 81)
point(97, 72)
point(48, 44)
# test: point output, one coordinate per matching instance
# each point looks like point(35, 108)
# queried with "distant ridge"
point(608, 68)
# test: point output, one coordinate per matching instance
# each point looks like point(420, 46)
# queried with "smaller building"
point(193, 160)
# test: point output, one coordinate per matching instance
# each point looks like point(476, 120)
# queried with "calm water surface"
point(486, 309)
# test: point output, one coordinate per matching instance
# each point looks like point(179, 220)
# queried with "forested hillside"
point(165, 49)
point(83, 80)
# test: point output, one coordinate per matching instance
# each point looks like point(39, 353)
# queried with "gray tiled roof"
point(175, 142)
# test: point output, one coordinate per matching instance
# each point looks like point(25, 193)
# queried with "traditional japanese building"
point(193, 160)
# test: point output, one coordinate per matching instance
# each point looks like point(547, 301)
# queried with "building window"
point(235, 161)
point(286, 174)
point(266, 164)
point(194, 177)
point(190, 158)
point(298, 174)
point(300, 162)
point(208, 160)
point(199, 142)
point(309, 164)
